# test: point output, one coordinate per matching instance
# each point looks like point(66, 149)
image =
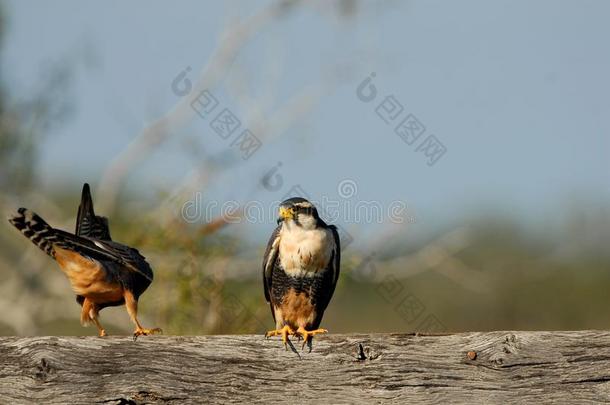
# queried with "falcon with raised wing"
point(87, 223)
point(300, 270)
point(101, 272)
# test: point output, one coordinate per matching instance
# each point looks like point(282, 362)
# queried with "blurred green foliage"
point(503, 277)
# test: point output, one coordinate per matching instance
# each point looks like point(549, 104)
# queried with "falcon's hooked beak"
point(286, 213)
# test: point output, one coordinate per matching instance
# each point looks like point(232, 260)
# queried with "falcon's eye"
point(305, 210)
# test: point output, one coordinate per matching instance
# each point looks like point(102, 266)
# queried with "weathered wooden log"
point(492, 367)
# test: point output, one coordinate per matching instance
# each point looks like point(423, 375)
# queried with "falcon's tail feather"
point(85, 212)
point(87, 223)
point(48, 238)
point(35, 229)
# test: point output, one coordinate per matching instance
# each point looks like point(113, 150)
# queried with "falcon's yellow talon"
point(308, 334)
point(284, 332)
point(146, 332)
point(270, 333)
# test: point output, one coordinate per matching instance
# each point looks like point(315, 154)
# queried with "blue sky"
point(517, 91)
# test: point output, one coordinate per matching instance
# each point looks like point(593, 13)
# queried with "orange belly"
point(295, 310)
point(88, 277)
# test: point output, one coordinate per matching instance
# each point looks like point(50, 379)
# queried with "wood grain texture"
point(492, 367)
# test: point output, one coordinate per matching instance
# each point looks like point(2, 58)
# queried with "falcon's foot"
point(284, 332)
point(145, 332)
point(308, 334)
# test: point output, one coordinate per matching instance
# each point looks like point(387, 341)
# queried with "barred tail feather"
point(87, 223)
point(48, 239)
point(35, 229)
point(85, 213)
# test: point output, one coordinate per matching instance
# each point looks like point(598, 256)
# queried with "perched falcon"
point(300, 270)
point(102, 273)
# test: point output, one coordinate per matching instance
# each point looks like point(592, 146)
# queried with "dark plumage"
point(87, 223)
point(101, 272)
point(300, 270)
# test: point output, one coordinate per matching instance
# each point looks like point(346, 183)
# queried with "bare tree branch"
point(232, 42)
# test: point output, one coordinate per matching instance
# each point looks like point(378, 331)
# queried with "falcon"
point(102, 273)
point(300, 270)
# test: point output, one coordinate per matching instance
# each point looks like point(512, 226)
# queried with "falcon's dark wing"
point(336, 261)
point(329, 278)
point(269, 261)
point(127, 256)
point(87, 223)
point(127, 265)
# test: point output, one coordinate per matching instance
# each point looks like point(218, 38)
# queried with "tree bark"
point(480, 367)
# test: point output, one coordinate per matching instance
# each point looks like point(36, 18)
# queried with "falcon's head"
point(299, 212)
